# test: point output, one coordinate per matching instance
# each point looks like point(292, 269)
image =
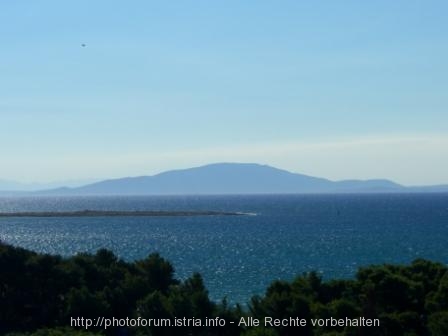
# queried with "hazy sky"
point(338, 89)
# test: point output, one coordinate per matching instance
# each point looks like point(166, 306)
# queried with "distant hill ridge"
point(233, 178)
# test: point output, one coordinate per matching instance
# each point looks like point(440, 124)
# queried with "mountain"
point(226, 178)
point(231, 178)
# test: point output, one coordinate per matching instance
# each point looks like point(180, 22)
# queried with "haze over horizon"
point(98, 90)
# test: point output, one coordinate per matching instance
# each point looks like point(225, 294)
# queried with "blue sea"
point(239, 256)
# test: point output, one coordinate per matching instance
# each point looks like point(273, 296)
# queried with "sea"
point(278, 237)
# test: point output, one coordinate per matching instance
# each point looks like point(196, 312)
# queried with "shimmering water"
point(239, 256)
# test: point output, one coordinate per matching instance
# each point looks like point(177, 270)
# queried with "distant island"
point(229, 178)
point(114, 213)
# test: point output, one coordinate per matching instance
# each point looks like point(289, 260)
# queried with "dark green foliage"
point(40, 293)
point(438, 323)
point(55, 332)
point(408, 300)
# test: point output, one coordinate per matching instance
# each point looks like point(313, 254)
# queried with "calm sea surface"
point(240, 255)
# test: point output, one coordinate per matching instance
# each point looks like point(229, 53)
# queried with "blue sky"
point(338, 89)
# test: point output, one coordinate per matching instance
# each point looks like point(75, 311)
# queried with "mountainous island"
point(229, 178)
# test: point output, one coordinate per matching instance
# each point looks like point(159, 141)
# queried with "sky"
point(336, 89)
